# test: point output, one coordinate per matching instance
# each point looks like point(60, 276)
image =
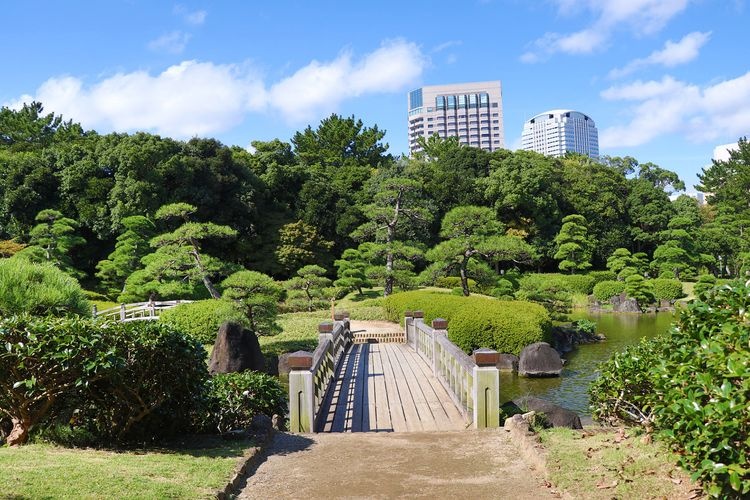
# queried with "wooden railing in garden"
point(137, 311)
point(311, 373)
point(473, 382)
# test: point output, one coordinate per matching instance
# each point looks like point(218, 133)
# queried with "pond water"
point(571, 389)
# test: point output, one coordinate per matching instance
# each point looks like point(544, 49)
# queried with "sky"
point(665, 80)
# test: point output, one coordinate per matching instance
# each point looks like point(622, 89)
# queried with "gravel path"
point(455, 465)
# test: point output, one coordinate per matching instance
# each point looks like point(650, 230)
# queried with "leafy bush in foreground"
point(39, 289)
point(693, 387)
point(507, 326)
point(201, 320)
point(237, 397)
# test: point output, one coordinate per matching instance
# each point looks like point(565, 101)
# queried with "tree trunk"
point(388, 274)
point(20, 432)
point(204, 274)
point(464, 277)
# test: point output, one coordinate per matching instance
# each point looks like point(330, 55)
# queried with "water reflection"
point(571, 389)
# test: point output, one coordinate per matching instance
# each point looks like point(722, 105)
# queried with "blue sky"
point(665, 80)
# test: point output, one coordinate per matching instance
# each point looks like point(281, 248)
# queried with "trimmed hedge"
point(473, 322)
point(201, 320)
point(605, 290)
point(573, 283)
point(452, 282)
point(667, 289)
point(600, 276)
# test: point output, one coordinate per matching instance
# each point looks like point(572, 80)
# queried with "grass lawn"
point(605, 464)
point(47, 471)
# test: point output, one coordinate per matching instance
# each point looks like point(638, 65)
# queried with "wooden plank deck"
point(387, 388)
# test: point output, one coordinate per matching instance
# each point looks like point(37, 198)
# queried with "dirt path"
point(457, 464)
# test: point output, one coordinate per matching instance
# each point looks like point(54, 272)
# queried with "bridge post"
point(94, 311)
point(408, 328)
point(301, 395)
point(486, 390)
point(122, 312)
point(325, 331)
point(439, 327)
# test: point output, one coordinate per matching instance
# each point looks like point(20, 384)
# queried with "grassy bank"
point(605, 464)
point(46, 471)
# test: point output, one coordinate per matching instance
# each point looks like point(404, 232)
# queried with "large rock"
point(539, 360)
point(556, 415)
point(283, 366)
point(236, 349)
point(507, 362)
point(621, 303)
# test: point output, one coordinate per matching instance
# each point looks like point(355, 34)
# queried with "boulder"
point(236, 349)
point(507, 363)
point(620, 303)
point(283, 365)
point(556, 415)
point(539, 360)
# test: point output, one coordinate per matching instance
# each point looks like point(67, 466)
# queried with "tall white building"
point(473, 112)
point(556, 132)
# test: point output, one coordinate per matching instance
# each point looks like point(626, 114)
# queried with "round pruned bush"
point(39, 289)
point(600, 276)
point(473, 322)
point(571, 283)
point(605, 290)
point(238, 397)
point(453, 282)
point(201, 320)
point(667, 289)
point(705, 283)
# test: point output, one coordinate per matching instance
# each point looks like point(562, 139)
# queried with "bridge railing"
point(137, 311)
point(311, 373)
point(473, 382)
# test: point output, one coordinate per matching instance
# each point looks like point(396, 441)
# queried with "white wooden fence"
point(137, 311)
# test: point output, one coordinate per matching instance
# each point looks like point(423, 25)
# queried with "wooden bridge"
point(137, 311)
point(411, 380)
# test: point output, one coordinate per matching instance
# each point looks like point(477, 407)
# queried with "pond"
point(571, 389)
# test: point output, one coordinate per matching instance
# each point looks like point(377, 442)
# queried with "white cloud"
point(670, 106)
point(170, 43)
point(641, 17)
point(194, 18)
point(446, 45)
point(673, 54)
point(322, 86)
point(203, 98)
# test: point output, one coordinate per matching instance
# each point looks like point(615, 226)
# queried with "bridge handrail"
point(138, 310)
point(472, 381)
point(311, 373)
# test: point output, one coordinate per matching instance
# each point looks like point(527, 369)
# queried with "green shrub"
point(667, 275)
point(605, 290)
point(667, 289)
point(600, 276)
point(238, 397)
point(704, 383)
point(201, 320)
point(453, 282)
point(473, 322)
point(572, 283)
point(39, 289)
point(42, 360)
point(158, 389)
point(705, 283)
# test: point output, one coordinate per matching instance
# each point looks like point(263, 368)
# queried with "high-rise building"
point(560, 131)
point(473, 112)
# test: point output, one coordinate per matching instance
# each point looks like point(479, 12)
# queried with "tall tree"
point(473, 232)
point(52, 239)
point(132, 245)
point(352, 271)
point(574, 247)
point(299, 245)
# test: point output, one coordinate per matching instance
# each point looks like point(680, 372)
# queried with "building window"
point(440, 102)
point(415, 99)
point(494, 104)
point(451, 102)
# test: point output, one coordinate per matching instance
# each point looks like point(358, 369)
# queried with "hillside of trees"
point(135, 216)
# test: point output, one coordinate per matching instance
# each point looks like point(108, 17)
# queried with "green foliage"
point(257, 296)
point(636, 287)
point(577, 283)
point(705, 283)
point(455, 282)
point(156, 390)
point(352, 271)
point(704, 383)
point(44, 358)
point(51, 241)
point(693, 387)
point(300, 245)
point(237, 397)
point(666, 289)
point(132, 245)
point(473, 322)
point(574, 248)
point(309, 289)
point(599, 276)
point(605, 290)
point(667, 275)
point(201, 319)
point(39, 289)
